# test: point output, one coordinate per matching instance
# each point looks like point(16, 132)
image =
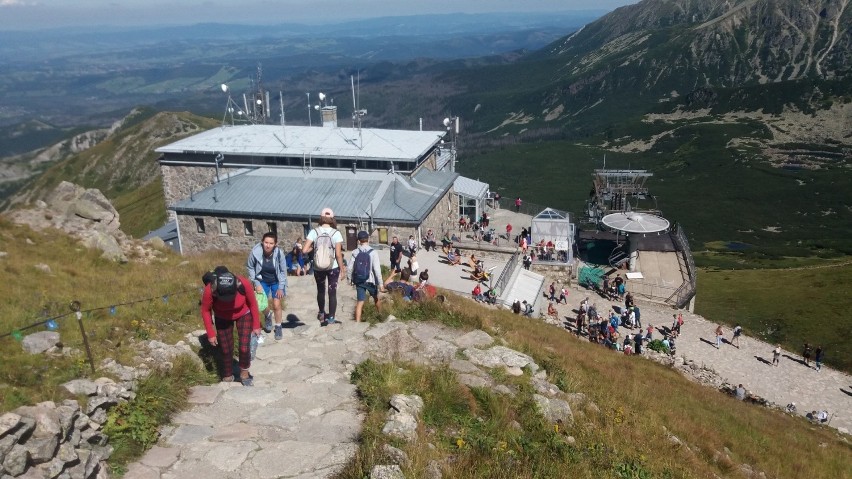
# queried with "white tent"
point(555, 226)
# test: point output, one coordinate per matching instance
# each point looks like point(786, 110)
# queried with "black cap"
point(363, 235)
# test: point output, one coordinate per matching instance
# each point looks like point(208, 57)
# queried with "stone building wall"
point(179, 182)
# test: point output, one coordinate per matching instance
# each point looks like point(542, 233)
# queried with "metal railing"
point(507, 272)
point(686, 291)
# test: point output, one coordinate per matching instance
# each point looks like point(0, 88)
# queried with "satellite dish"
point(446, 122)
point(224, 88)
point(322, 96)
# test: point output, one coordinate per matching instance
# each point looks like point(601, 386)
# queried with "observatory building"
point(229, 185)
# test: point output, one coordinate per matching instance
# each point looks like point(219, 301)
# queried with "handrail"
point(686, 291)
point(507, 272)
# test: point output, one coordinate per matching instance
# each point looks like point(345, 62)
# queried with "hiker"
point(446, 243)
point(430, 240)
point(401, 285)
point(551, 310)
point(508, 232)
point(740, 392)
point(518, 203)
point(818, 358)
point(413, 264)
point(552, 290)
point(806, 353)
point(563, 296)
point(735, 339)
point(326, 243)
point(267, 268)
point(776, 355)
point(424, 289)
point(454, 257)
point(477, 293)
point(527, 260)
point(225, 296)
point(719, 335)
point(412, 245)
point(365, 273)
point(516, 307)
point(395, 254)
point(296, 261)
point(528, 309)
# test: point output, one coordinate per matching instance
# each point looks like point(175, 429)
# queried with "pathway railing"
point(684, 294)
point(507, 272)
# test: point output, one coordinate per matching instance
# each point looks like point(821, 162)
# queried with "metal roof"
point(295, 193)
point(331, 142)
point(470, 188)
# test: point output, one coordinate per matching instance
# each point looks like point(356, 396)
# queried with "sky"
point(43, 14)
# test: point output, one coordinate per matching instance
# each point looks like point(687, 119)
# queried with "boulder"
point(40, 342)
point(8, 422)
point(386, 472)
point(15, 462)
point(82, 387)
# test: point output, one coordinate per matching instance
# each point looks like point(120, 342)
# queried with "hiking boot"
point(321, 317)
point(267, 326)
point(228, 379)
point(330, 320)
point(245, 378)
point(279, 332)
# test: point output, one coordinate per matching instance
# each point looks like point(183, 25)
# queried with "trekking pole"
point(75, 306)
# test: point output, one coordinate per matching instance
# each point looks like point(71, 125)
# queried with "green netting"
point(589, 275)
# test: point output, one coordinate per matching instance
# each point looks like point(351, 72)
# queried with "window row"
point(225, 230)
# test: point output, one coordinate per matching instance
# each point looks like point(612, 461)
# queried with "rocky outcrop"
point(87, 215)
point(50, 440)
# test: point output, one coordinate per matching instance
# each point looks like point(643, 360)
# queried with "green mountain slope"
point(741, 108)
point(124, 167)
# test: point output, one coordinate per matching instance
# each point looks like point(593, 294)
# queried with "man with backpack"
point(225, 304)
point(327, 244)
point(365, 273)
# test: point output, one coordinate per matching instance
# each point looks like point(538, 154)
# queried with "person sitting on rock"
point(551, 311)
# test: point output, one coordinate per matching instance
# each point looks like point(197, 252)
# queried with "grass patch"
point(162, 296)
point(813, 298)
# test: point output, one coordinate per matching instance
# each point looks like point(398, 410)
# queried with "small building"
point(552, 235)
point(227, 186)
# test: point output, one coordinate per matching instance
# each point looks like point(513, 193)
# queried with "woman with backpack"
point(327, 244)
point(225, 304)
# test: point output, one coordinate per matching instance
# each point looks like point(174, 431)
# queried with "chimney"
point(329, 116)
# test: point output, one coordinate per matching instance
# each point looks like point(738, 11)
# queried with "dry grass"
point(164, 297)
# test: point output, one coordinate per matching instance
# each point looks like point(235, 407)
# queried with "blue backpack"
point(362, 266)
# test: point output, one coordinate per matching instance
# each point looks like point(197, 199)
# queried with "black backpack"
point(225, 286)
point(362, 266)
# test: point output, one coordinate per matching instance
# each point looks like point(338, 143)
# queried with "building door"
point(351, 238)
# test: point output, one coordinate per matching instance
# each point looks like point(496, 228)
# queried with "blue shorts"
point(270, 289)
point(363, 289)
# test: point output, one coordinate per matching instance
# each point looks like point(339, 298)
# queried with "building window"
point(272, 227)
point(248, 228)
point(223, 227)
point(199, 225)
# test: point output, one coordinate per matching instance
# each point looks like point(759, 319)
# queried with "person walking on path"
point(365, 273)
point(225, 304)
point(395, 254)
point(719, 335)
point(735, 339)
point(267, 268)
point(508, 231)
point(518, 203)
point(806, 353)
point(776, 355)
point(818, 358)
point(326, 243)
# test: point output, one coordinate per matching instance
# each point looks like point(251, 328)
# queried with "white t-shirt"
point(336, 238)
